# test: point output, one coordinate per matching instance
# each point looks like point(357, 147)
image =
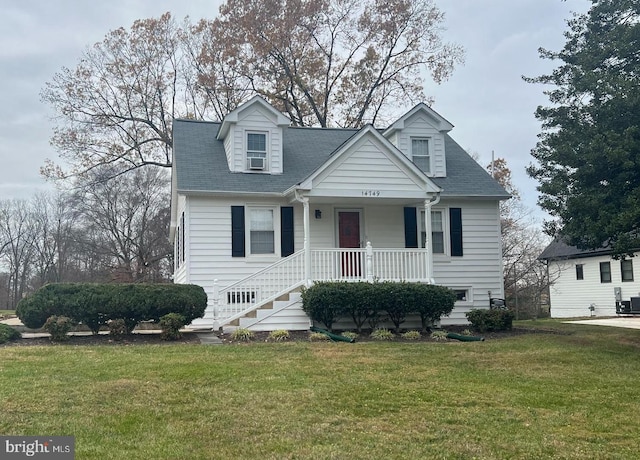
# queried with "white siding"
point(254, 118)
point(479, 270)
point(366, 169)
point(180, 275)
point(419, 126)
point(229, 149)
point(209, 242)
point(571, 297)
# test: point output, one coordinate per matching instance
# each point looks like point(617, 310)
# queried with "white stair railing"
point(259, 288)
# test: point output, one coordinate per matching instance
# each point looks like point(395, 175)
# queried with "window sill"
point(262, 258)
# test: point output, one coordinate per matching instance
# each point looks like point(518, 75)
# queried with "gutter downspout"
point(428, 204)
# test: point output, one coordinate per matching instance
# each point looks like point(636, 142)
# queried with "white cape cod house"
point(260, 208)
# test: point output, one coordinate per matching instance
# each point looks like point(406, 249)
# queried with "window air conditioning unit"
point(256, 163)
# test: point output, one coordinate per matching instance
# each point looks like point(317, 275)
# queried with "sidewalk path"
point(630, 322)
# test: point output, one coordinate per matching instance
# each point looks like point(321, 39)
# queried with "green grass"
point(7, 312)
point(569, 395)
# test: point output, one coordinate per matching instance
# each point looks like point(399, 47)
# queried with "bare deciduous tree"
point(526, 280)
point(18, 232)
point(117, 105)
point(126, 222)
point(331, 62)
point(327, 62)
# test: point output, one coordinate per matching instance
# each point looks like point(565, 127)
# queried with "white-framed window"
point(464, 294)
point(179, 242)
point(261, 230)
point(437, 231)
point(605, 272)
point(256, 151)
point(626, 270)
point(420, 154)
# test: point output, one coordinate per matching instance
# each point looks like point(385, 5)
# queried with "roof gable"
point(368, 163)
point(422, 109)
point(255, 103)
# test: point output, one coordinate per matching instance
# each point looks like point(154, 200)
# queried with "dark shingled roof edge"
point(559, 250)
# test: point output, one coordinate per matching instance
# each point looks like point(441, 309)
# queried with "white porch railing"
point(400, 265)
point(359, 264)
point(369, 264)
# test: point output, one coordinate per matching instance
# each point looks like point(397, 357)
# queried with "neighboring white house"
point(260, 208)
point(588, 283)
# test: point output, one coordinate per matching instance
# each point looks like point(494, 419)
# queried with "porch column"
point(216, 301)
point(307, 242)
point(427, 243)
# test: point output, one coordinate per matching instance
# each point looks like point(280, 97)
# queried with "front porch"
point(271, 287)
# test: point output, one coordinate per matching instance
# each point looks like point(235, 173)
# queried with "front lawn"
point(541, 395)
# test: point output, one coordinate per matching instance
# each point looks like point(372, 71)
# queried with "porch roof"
point(200, 163)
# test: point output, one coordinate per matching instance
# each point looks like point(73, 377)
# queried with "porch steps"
point(266, 306)
point(284, 313)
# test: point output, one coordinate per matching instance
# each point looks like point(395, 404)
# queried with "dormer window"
point(256, 151)
point(420, 153)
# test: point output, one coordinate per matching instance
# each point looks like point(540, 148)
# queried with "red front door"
point(349, 237)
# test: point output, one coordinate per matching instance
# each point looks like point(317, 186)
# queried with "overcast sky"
point(487, 101)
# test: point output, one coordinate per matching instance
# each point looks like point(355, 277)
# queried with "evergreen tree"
point(588, 156)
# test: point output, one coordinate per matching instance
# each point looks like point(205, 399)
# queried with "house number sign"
point(371, 193)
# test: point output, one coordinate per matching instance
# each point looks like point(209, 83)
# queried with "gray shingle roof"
point(559, 250)
point(201, 163)
point(465, 177)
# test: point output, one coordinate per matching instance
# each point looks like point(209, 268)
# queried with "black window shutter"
point(455, 226)
point(237, 231)
point(286, 230)
point(410, 228)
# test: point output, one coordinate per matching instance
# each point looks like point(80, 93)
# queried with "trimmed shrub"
point(490, 320)
point(96, 304)
point(117, 328)
point(326, 302)
point(360, 304)
point(7, 333)
point(431, 302)
point(171, 323)
point(58, 327)
point(395, 299)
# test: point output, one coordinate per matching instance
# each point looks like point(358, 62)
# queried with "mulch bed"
point(105, 339)
point(192, 338)
point(364, 337)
